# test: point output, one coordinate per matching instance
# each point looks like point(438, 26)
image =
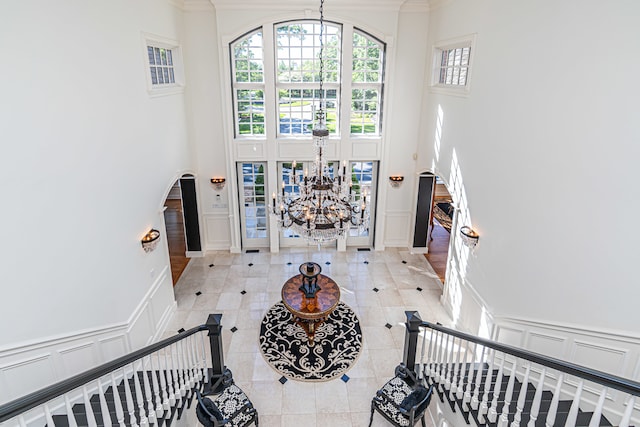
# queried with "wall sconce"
point(396, 180)
point(150, 240)
point(470, 236)
point(218, 183)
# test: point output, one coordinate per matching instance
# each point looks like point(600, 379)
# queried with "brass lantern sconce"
point(396, 180)
point(470, 236)
point(150, 240)
point(218, 183)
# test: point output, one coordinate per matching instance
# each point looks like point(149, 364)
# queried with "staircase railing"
point(482, 376)
point(163, 375)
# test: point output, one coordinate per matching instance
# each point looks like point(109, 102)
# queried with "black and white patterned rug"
point(285, 347)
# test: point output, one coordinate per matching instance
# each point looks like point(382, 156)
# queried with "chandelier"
point(327, 204)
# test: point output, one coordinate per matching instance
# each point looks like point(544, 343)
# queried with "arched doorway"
point(182, 225)
point(174, 223)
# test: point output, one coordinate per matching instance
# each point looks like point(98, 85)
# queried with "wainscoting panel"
point(289, 151)
point(24, 376)
point(365, 150)
point(549, 345)
point(396, 232)
point(218, 231)
point(78, 358)
point(113, 347)
point(249, 150)
point(510, 335)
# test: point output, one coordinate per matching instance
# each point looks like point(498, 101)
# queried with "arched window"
point(248, 85)
point(296, 77)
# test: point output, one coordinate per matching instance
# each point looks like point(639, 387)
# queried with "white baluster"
point(188, 373)
point(88, 409)
point(144, 422)
point(422, 354)
point(463, 369)
point(205, 368)
point(151, 413)
point(537, 400)
point(47, 415)
point(597, 412)
point(156, 386)
point(575, 406)
point(521, 397)
point(163, 402)
point(504, 416)
point(475, 400)
point(168, 371)
point(176, 376)
point(104, 408)
point(129, 399)
point(192, 361)
point(497, 388)
point(429, 370)
point(70, 416)
point(446, 371)
point(116, 401)
point(438, 353)
point(466, 401)
point(553, 408)
point(22, 422)
point(196, 357)
point(450, 378)
point(626, 417)
point(455, 374)
point(484, 404)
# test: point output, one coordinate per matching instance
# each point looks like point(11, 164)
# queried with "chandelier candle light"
point(327, 206)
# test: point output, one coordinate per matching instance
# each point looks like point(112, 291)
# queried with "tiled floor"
point(221, 277)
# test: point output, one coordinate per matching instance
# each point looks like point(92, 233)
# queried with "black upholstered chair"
point(403, 399)
point(230, 408)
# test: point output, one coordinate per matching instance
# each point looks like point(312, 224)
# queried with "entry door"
point(364, 176)
point(288, 238)
point(253, 209)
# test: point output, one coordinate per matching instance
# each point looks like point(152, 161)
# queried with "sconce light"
point(150, 240)
point(470, 237)
point(218, 183)
point(396, 180)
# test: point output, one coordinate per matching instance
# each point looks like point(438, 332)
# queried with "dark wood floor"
point(438, 250)
point(174, 222)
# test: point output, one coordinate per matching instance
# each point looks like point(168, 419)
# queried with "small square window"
point(452, 61)
point(164, 72)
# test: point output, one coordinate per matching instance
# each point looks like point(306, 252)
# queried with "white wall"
point(87, 159)
point(547, 143)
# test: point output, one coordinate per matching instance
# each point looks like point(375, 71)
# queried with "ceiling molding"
point(196, 5)
point(375, 5)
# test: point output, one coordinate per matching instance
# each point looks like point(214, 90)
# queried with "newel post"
point(411, 339)
point(215, 341)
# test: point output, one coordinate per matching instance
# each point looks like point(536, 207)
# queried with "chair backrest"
point(207, 412)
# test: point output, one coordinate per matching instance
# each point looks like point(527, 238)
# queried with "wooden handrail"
point(30, 401)
point(608, 380)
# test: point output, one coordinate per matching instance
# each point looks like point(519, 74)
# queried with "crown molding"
point(376, 5)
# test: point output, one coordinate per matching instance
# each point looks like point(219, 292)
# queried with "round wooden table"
point(310, 312)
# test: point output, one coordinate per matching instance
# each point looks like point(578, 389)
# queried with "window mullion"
point(347, 76)
point(270, 113)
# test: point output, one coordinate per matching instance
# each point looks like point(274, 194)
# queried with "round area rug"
point(284, 344)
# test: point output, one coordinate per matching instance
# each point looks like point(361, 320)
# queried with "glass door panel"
point(364, 183)
point(253, 209)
